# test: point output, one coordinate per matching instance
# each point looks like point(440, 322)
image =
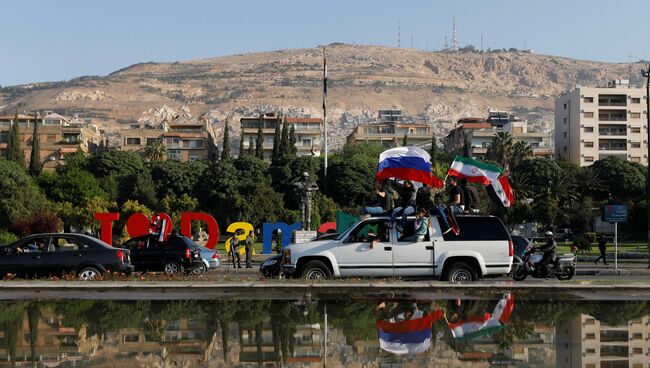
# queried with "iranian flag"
point(501, 191)
point(474, 171)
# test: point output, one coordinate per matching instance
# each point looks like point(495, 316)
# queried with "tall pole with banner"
point(325, 111)
point(646, 75)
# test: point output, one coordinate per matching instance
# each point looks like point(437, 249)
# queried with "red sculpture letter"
point(213, 226)
point(106, 220)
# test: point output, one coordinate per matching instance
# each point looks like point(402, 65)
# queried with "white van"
point(372, 248)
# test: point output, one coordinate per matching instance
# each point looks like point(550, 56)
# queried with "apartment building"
point(586, 342)
point(185, 141)
point(58, 136)
point(307, 131)
point(592, 123)
point(479, 133)
point(390, 130)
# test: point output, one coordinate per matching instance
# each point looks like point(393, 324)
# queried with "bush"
point(591, 237)
point(40, 222)
point(7, 237)
point(582, 244)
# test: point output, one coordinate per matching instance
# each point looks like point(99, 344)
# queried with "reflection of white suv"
point(482, 248)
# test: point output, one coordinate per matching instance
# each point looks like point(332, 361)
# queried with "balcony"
point(612, 115)
point(610, 130)
point(612, 100)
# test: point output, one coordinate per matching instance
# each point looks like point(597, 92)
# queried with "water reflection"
point(362, 332)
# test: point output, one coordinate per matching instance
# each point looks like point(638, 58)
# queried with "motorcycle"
point(564, 267)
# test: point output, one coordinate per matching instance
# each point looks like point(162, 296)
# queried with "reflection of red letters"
point(106, 222)
point(213, 226)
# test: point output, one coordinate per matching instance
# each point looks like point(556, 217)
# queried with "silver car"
point(211, 260)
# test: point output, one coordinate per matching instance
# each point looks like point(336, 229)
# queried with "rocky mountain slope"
point(435, 87)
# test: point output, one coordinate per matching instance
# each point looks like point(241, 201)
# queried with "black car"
point(45, 255)
point(272, 266)
point(173, 255)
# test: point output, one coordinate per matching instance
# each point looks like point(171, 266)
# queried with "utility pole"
point(646, 74)
point(325, 110)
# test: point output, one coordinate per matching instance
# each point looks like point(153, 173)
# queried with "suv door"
point(355, 255)
point(413, 258)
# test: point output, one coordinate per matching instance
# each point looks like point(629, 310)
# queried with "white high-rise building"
point(593, 123)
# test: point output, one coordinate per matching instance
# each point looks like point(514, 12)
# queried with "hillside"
point(438, 87)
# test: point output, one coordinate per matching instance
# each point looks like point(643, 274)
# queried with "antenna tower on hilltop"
point(454, 38)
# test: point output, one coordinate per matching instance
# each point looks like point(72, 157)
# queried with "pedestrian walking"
point(234, 251)
point(249, 248)
point(602, 247)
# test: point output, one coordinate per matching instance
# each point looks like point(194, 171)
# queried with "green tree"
point(285, 149)
point(174, 178)
point(623, 180)
point(259, 143)
point(276, 140)
point(591, 182)
point(174, 206)
point(293, 149)
point(14, 148)
point(225, 152)
point(117, 163)
point(20, 197)
point(405, 140)
point(519, 152)
point(35, 165)
point(155, 150)
point(75, 186)
point(500, 149)
point(242, 151)
point(140, 187)
point(251, 147)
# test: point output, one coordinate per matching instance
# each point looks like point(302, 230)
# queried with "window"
point(590, 336)
point(636, 100)
point(174, 155)
point(478, 229)
point(151, 140)
point(635, 159)
point(51, 138)
point(565, 134)
point(194, 144)
point(589, 129)
point(565, 106)
point(32, 245)
point(131, 338)
point(362, 233)
point(565, 149)
point(588, 114)
point(637, 336)
point(637, 351)
point(635, 115)
point(589, 144)
point(635, 145)
point(590, 351)
point(565, 120)
point(306, 142)
point(132, 141)
point(194, 158)
point(589, 99)
point(636, 130)
point(589, 158)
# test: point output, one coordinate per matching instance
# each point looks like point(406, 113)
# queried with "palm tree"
point(590, 180)
point(500, 149)
point(155, 150)
point(520, 151)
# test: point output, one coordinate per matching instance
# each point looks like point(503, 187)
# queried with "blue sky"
point(49, 40)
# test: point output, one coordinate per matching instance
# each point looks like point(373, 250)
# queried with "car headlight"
point(269, 262)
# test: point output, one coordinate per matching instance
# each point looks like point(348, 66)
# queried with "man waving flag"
point(407, 163)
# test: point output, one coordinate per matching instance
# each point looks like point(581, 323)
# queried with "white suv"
point(371, 248)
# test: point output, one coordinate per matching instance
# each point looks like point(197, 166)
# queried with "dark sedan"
point(175, 254)
point(44, 255)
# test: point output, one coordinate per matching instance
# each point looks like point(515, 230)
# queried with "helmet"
point(548, 233)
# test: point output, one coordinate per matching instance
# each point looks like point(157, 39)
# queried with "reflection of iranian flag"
point(473, 170)
point(487, 324)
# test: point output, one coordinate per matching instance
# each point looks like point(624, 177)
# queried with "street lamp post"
point(646, 75)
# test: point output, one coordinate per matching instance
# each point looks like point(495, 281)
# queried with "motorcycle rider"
point(549, 249)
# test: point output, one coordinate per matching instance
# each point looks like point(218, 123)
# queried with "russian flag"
point(407, 337)
point(407, 163)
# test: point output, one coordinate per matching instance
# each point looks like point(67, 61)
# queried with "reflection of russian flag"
point(407, 337)
point(407, 163)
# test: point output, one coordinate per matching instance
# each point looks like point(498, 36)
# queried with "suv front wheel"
point(461, 272)
point(316, 270)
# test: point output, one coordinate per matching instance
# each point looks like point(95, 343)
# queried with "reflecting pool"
point(349, 331)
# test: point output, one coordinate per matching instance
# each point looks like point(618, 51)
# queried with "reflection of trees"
point(618, 313)
point(355, 319)
point(33, 315)
point(11, 319)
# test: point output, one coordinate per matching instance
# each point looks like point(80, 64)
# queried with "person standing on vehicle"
point(234, 249)
point(407, 193)
point(602, 247)
point(549, 248)
point(456, 197)
point(249, 248)
point(472, 200)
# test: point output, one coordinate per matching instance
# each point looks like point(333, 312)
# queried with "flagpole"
point(325, 109)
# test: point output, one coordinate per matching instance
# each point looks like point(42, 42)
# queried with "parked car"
point(372, 248)
point(60, 253)
point(211, 260)
point(176, 254)
point(272, 267)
